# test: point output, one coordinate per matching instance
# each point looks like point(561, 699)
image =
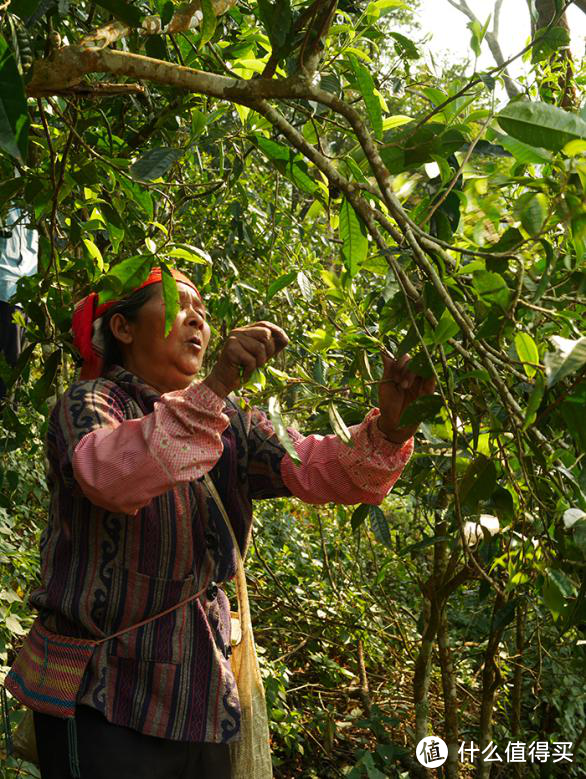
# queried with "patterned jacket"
point(103, 570)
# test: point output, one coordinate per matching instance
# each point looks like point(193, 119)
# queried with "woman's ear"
point(121, 329)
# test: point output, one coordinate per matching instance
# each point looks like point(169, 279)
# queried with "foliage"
point(306, 166)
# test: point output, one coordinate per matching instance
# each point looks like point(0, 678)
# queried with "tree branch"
point(186, 18)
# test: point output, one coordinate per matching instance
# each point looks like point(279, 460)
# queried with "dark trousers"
point(10, 338)
point(107, 751)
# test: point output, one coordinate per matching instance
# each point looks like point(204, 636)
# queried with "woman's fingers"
point(246, 349)
point(398, 372)
point(279, 335)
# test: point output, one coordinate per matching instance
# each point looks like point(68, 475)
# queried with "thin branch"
point(185, 18)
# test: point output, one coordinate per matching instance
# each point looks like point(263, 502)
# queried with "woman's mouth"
point(195, 342)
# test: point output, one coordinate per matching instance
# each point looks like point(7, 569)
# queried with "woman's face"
point(169, 363)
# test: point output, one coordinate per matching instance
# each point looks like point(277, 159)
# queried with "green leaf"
point(422, 409)
point(379, 7)
point(405, 46)
point(419, 545)
point(531, 209)
point(277, 19)
point(281, 430)
point(209, 22)
point(273, 150)
point(331, 83)
point(534, 401)
point(14, 119)
point(126, 275)
point(24, 8)
point(280, 283)
point(492, 288)
point(290, 164)
point(170, 298)
point(125, 12)
point(522, 152)
point(568, 357)
point(527, 352)
point(94, 253)
point(353, 236)
point(304, 285)
point(359, 515)
point(339, 426)
point(10, 188)
point(540, 124)
point(478, 482)
point(366, 88)
point(475, 41)
point(156, 47)
point(556, 588)
point(166, 9)
point(190, 254)
point(380, 526)
point(42, 388)
point(548, 41)
point(446, 328)
point(154, 163)
point(397, 120)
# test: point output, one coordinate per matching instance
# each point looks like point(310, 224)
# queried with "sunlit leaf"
point(339, 426)
point(94, 253)
point(283, 281)
point(366, 87)
point(540, 124)
point(170, 298)
point(281, 429)
point(353, 236)
point(527, 352)
point(208, 23)
point(568, 357)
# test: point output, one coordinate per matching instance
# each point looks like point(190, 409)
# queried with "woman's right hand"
point(245, 349)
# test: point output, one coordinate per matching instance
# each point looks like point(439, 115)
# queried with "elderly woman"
point(132, 532)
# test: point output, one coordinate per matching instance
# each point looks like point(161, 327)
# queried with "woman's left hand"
point(398, 388)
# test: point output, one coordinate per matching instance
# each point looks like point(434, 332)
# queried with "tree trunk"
point(450, 696)
point(561, 79)
point(517, 695)
point(490, 683)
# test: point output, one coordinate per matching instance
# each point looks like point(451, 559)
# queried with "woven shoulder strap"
point(241, 588)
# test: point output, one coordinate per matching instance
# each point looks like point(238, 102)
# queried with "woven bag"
point(251, 755)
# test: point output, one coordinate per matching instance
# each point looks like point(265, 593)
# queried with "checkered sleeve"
point(121, 466)
point(334, 472)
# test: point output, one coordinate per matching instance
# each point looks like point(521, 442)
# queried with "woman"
point(132, 531)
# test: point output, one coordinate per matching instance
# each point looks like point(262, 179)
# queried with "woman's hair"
point(129, 308)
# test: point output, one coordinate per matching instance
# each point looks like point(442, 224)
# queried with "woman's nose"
point(195, 319)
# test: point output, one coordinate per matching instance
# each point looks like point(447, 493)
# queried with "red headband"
point(87, 311)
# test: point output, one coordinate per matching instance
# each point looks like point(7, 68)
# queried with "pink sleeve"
point(333, 472)
point(122, 467)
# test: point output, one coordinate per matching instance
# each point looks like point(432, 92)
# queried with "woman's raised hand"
point(398, 388)
point(244, 350)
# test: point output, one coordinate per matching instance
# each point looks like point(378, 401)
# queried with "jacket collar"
point(133, 385)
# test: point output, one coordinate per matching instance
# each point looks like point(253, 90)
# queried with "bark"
point(449, 687)
point(185, 18)
point(422, 674)
point(518, 676)
point(491, 680)
point(560, 62)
